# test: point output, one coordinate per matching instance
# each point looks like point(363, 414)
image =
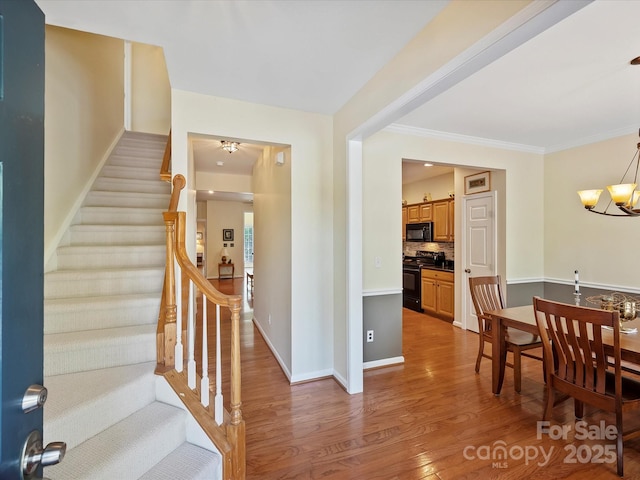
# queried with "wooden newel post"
point(170, 293)
point(236, 428)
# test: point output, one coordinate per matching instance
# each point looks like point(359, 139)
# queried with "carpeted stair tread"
point(138, 172)
point(107, 234)
point(74, 399)
point(107, 215)
point(104, 198)
point(126, 450)
point(95, 349)
point(131, 185)
point(187, 462)
point(103, 281)
point(63, 315)
point(88, 257)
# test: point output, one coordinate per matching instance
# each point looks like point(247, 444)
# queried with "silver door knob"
point(33, 455)
point(467, 270)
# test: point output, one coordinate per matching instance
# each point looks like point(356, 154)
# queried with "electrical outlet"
point(269, 319)
point(377, 262)
point(369, 336)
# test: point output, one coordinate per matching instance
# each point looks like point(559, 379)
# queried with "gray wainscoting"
point(523, 293)
point(383, 315)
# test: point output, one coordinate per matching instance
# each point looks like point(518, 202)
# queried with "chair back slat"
point(573, 335)
point(486, 294)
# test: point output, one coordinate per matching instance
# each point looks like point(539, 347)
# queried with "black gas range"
point(412, 278)
point(421, 258)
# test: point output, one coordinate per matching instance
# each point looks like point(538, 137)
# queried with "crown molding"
point(455, 137)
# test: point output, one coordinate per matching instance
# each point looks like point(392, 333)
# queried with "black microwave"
point(419, 232)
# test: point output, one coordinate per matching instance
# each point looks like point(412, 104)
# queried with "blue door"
point(21, 226)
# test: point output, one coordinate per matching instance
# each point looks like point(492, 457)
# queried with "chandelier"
point(624, 195)
point(229, 146)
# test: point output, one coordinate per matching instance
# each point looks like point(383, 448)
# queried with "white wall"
point(310, 137)
point(602, 248)
point(150, 90)
point(84, 116)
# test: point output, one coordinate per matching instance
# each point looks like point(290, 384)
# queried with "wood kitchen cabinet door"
point(429, 294)
point(404, 223)
point(443, 221)
point(426, 212)
point(445, 299)
point(413, 213)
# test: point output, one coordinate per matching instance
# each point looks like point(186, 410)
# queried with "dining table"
point(523, 318)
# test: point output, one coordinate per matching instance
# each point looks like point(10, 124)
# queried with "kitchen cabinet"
point(413, 213)
point(419, 213)
point(404, 223)
point(443, 221)
point(438, 293)
point(426, 212)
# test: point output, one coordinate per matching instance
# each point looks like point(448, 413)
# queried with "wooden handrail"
point(165, 168)
point(179, 183)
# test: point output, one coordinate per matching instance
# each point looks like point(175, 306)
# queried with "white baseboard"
point(283, 366)
point(385, 362)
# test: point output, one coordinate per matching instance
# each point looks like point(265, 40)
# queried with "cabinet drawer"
point(437, 275)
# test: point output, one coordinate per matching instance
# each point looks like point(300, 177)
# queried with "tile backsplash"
point(409, 248)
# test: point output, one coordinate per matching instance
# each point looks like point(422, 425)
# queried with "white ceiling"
point(571, 84)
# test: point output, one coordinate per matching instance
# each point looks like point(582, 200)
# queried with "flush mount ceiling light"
point(229, 146)
point(428, 164)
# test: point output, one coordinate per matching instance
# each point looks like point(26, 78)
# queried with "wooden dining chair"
point(578, 367)
point(486, 294)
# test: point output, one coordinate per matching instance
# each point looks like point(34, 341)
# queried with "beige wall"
point(150, 90)
point(272, 245)
point(220, 182)
point(439, 187)
point(458, 27)
point(523, 196)
point(84, 108)
point(306, 289)
point(602, 248)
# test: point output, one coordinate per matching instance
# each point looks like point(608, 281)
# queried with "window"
point(248, 239)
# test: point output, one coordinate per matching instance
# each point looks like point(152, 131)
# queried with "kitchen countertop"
point(433, 267)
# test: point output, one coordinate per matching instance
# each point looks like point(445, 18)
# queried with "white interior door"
point(480, 246)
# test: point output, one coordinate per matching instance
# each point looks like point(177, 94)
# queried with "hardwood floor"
point(431, 418)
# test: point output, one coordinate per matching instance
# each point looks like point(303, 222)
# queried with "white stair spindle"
point(204, 383)
point(218, 398)
point(191, 337)
point(179, 348)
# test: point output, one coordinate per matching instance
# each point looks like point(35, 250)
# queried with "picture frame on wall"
point(477, 183)
point(227, 234)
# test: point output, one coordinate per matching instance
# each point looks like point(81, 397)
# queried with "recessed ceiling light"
point(220, 163)
point(211, 191)
point(428, 164)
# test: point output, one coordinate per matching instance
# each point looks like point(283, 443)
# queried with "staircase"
point(100, 315)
